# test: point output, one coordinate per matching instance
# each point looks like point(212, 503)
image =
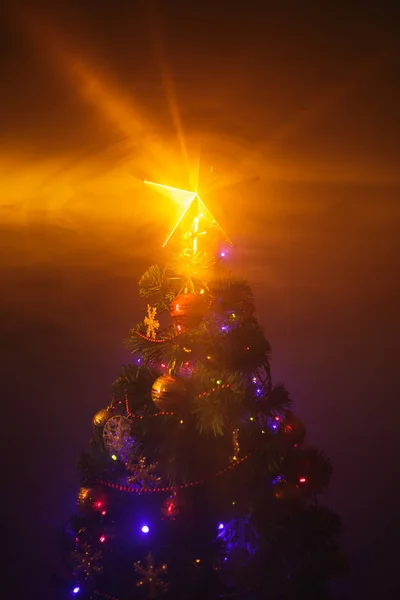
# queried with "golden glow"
point(151, 322)
point(186, 198)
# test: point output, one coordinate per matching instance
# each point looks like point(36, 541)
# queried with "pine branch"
point(156, 285)
point(232, 295)
point(278, 400)
point(217, 405)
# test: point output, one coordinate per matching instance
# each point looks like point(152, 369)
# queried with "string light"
point(235, 443)
point(224, 385)
point(159, 341)
point(125, 488)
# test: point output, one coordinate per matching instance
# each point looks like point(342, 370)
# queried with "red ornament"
point(293, 429)
point(187, 310)
point(168, 392)
point(170, 507)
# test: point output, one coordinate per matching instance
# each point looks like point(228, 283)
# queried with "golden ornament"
point(101, 417)
point(151, 576)
point(151, 322)
point(168, 392)
point(85, 496)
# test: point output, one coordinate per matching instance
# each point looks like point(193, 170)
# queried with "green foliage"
point(231, 295)
point(243, 348)
point(192, 444)
point(278, 400)
point(310, 463)
point(148, 350)
point(156, 285)
point(135, 383)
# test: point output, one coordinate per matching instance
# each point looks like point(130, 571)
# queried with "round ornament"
point(168, 392)
point(187, 310)
point(170, 508)
point(118, 438)
point(101, 417)
point(293, 429)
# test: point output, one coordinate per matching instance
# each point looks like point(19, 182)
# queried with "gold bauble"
point(85, 496)
point(101, 417)
point(168, 392)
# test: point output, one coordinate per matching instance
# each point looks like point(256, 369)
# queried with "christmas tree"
point(197, 483)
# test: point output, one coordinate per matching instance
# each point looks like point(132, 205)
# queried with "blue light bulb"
point(145, 529)
point(76, 590)
point(220, 526)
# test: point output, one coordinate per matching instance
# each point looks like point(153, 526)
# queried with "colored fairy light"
point(102, 538)
point(163, 365)
point(103, 512)
point(274, 426)
point(98, 504)
point(197, 560)
point(202, 291)
point(76, 590)
point(219, 382)
point(114, 456)
point(145, 529)
point(251, 418)
point(254, 380)
point(302, 480)
point(220, 526)
point(258, 391)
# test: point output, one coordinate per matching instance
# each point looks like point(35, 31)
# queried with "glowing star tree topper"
point(194, 209)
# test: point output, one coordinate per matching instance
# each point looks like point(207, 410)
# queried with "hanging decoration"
point(170, 507)
point(293, 429)
point(85, 496)
point(151, 322)
point(151, 576)
point(118, 438)
point(187, 310)
point(142, 474)
point(101, 417)
point(235, 444)
point(88, 560)
point(168, 392)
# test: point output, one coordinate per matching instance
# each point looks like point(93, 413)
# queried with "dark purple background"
point(304, 98)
